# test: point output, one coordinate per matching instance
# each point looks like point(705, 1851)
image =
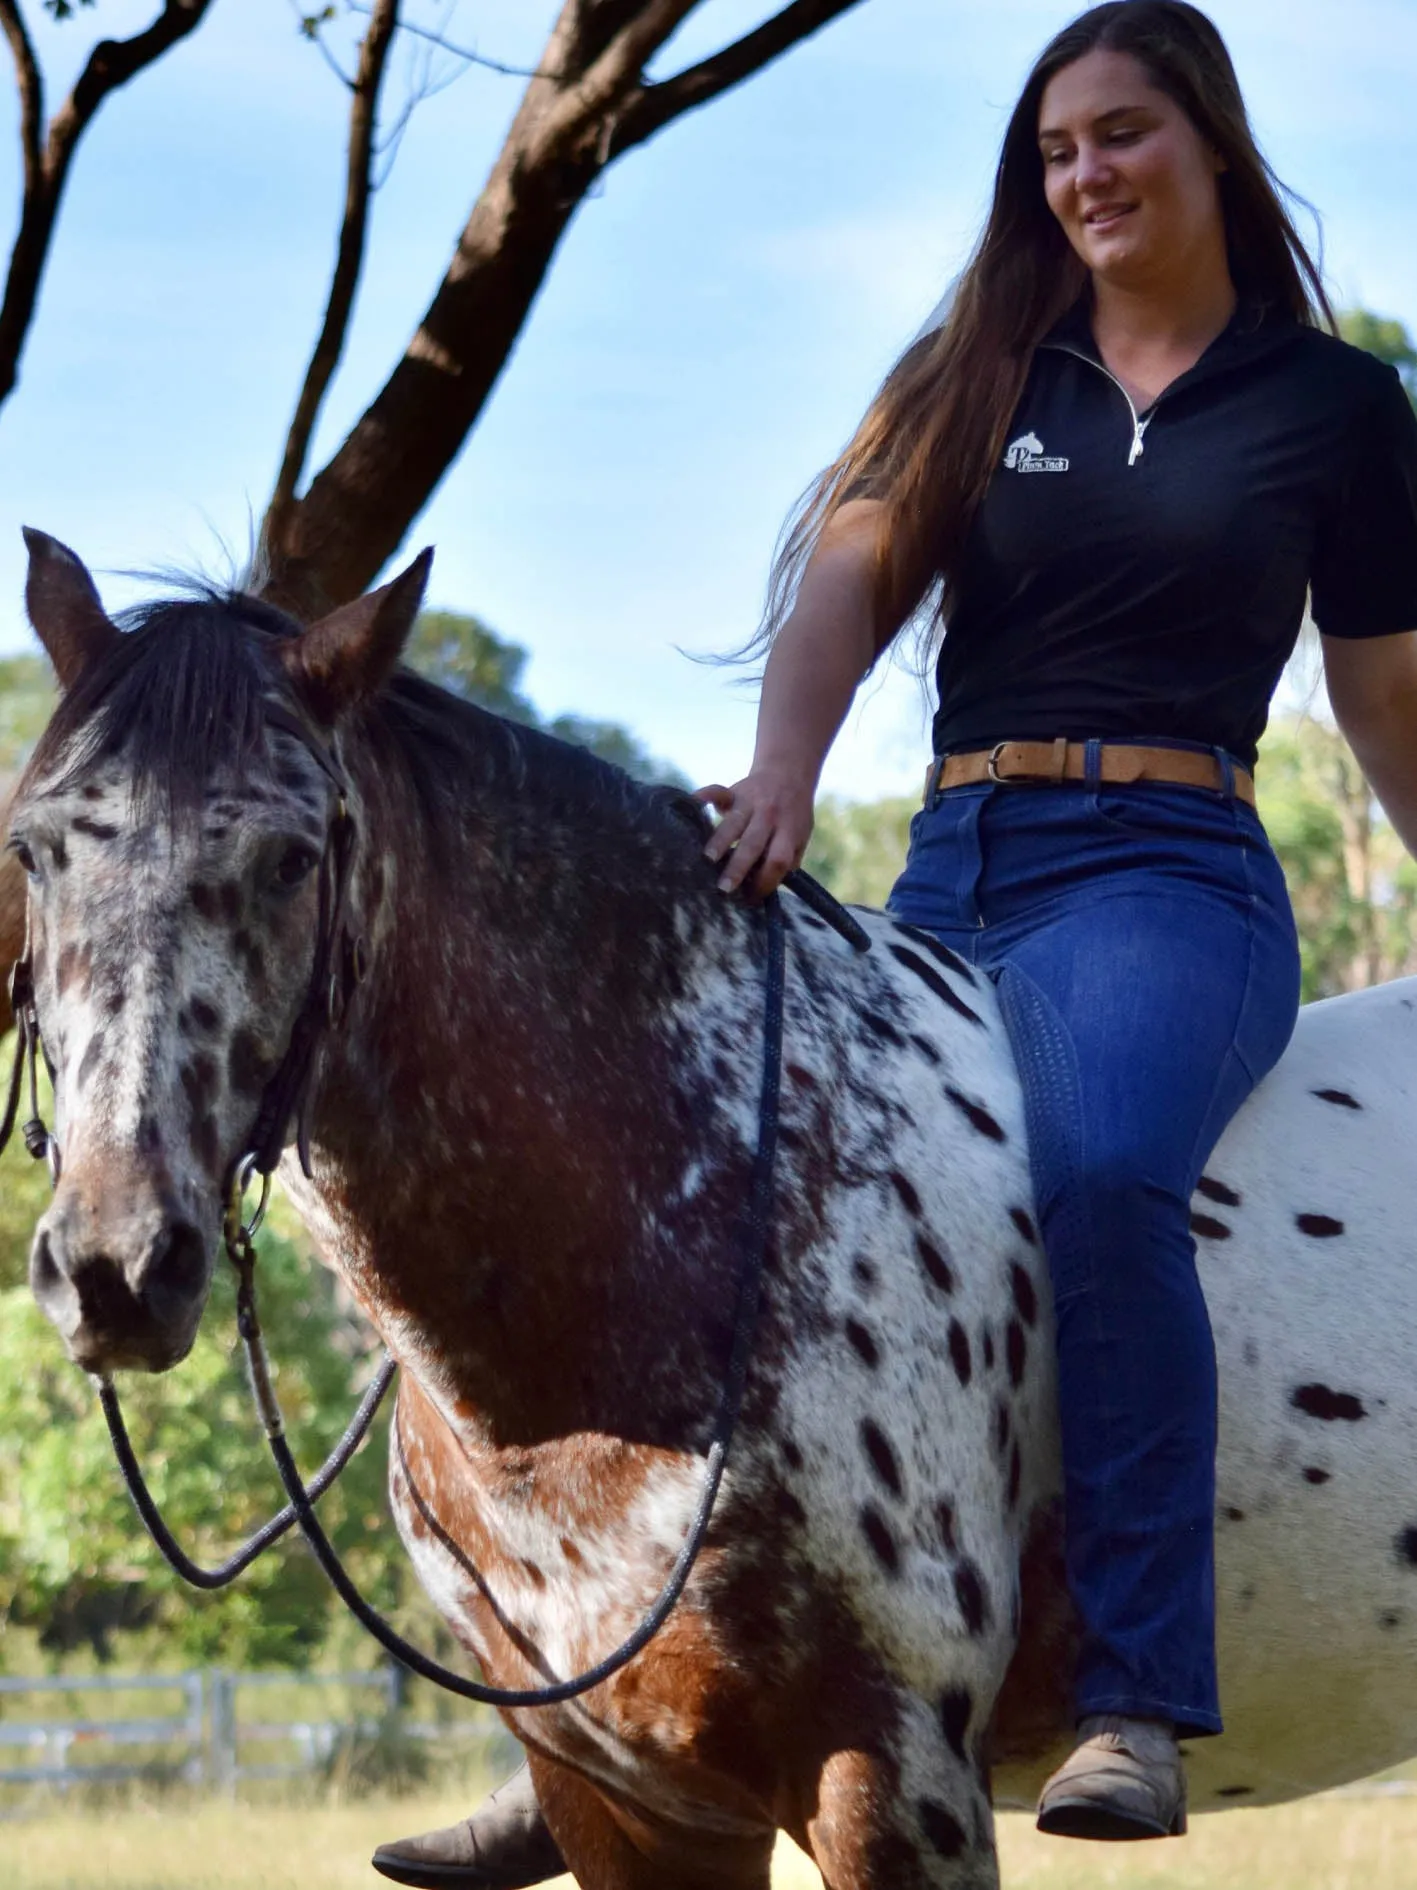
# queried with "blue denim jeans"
point(1144, 952)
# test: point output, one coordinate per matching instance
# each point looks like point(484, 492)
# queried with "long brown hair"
point(933, 434)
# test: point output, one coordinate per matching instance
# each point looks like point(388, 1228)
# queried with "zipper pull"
point(1139, 428)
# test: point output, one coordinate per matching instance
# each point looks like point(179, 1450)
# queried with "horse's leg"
point(610, 1848)
point(868, 1831)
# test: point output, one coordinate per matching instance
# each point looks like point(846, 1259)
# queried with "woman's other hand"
point(765, 822)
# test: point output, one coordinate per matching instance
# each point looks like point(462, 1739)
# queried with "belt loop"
point(932, 783)
point(1092, 763)
point(1227, 772)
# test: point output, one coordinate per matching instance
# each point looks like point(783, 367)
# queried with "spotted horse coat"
point(531, 1139)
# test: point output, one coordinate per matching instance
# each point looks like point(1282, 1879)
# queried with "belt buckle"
point(991, 768)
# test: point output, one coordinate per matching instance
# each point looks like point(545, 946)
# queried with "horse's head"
point(175, 823)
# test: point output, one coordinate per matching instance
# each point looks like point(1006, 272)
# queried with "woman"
point(1112, 474)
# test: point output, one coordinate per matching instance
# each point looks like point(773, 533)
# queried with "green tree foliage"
point(463, 655)
point(27, 698)
point(858, 847)
point(460, 653)
point(1385, 338)
point(1352, 883)
point(75, 1564)
point(24, 1195)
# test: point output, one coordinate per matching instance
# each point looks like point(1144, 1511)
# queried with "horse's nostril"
point(117, 1310)
point(46, 1279)
point(105, 1303)
point(176, 1273)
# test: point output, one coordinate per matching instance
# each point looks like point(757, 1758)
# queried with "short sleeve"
point(1364, 577)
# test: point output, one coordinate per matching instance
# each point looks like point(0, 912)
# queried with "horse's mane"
point(183, 692)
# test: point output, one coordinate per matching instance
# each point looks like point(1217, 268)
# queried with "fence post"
point(194, 1770)
point(223, 1732)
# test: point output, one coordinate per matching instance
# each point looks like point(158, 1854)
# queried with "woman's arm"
point(819, 657)
point(1372, 684)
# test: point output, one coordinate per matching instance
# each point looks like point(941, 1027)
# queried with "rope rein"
point(338, 966)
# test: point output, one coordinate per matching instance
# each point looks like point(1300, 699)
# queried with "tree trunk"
point(588, 103)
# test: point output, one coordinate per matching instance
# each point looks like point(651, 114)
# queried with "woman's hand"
point(764, 826)
point(818, 657)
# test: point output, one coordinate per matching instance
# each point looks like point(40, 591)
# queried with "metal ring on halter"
point(235, 1228)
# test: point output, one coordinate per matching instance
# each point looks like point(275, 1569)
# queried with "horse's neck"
point(504, 1129)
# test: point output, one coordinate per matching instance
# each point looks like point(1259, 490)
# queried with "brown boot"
point(1124, 1780)
point(504, 1845)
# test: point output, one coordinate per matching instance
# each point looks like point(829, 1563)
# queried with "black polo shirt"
point(1145, 574)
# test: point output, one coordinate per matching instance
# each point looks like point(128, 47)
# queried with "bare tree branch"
point(112, 63)
point(657, 104)
point(589, 102)
point(31, 89)
point(349, 259)
point(598, 22)
point(465, 53)
point(646, 29)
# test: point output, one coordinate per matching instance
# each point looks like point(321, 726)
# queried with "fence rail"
point(203, 1740)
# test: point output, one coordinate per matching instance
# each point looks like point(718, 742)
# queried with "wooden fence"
point(204, 1737)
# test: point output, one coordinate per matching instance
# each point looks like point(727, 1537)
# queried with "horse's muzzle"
point(115, 1313)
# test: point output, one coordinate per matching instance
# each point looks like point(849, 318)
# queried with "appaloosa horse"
point(530, 1144)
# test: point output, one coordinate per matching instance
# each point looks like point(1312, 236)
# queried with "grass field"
point(1323, 1844)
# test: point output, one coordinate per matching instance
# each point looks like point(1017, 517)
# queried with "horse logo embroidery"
point(1026, 455)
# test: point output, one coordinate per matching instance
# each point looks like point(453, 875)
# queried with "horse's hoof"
point(1124, 1781)
point(504, 1845)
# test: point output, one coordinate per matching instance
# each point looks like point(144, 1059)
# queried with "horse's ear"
point(64, 608)
point(346, 658)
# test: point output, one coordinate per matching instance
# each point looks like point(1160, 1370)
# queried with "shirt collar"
point(1253, 329)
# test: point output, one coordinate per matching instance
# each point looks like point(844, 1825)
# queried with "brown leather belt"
point(1043, 764)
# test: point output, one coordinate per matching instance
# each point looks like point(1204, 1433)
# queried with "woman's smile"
point(1107, 215)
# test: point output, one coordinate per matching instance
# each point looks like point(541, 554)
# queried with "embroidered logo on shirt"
point(1026, 455)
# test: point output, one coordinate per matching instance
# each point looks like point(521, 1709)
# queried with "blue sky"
point(716, 319)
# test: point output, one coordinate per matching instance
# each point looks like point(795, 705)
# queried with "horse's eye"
point(296, 864)
point(24, 856)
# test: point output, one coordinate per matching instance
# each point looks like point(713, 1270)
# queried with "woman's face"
point(1126, 173)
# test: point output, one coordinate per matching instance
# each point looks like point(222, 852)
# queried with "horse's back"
point(1307, 1236)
